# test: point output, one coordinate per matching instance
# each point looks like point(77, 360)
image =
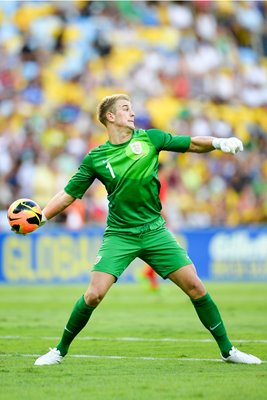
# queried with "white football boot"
point(238, 357)
point(50, 358)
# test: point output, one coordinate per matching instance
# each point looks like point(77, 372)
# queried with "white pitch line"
point(139, 339)
point(124, 357)
point(131, 339)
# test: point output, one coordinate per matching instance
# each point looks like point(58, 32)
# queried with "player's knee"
point(93, 297)
point(196, 290)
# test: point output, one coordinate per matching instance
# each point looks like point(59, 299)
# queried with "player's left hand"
point(229, 145)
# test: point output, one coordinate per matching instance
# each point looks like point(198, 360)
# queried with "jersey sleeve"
point(82, 179)
point(166, 141)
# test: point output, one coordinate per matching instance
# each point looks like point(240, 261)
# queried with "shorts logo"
point(98, 258)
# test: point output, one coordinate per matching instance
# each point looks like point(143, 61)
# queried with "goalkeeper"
point(127, 164)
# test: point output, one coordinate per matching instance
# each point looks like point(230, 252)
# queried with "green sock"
point(210, 317)
point(77, 321)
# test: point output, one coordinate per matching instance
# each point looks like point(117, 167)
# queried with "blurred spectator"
point(196, 68)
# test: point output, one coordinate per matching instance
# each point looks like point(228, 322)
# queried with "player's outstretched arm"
point(56, 205)
point(204, 144)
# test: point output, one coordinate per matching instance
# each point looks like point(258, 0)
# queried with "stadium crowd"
point(197, 68)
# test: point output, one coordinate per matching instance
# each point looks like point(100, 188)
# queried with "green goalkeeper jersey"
point(129, 172)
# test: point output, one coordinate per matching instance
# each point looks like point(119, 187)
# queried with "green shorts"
point(158, 248)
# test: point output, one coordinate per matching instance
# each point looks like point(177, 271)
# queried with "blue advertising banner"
point(62, 256)
point(229, 254)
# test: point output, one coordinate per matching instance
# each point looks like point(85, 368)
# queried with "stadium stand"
point(197, 68)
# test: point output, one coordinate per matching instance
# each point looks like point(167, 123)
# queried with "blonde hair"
point(108, 104)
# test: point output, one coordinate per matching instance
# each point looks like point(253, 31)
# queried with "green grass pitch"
point(137, 345)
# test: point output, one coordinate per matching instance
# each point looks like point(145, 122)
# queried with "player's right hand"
point(43, 220)
point(16, 232)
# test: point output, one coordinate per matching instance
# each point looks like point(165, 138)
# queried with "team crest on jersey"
point(136, 147)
